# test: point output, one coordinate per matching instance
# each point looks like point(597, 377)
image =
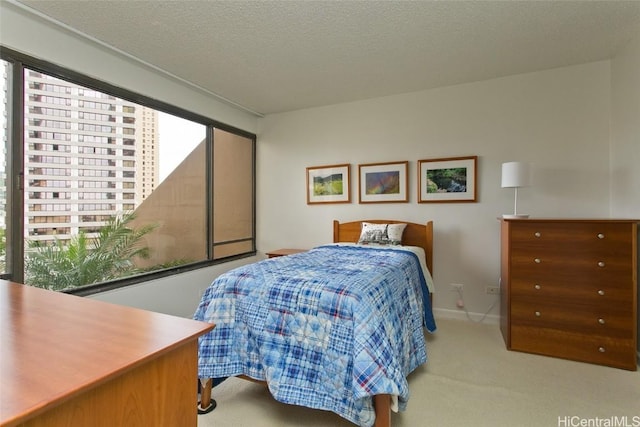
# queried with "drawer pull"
point(537, 286)
point(537, 234)
point(600, 236)
point(538, 314)
point(601, 349)
point(537, 260)
point(600, 264)
point(600, 292)
point(601, 321)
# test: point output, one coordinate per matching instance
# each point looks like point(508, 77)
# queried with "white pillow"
point(381, 234)
point(394, 232)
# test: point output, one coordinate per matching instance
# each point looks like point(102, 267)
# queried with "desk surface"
point(56, 346)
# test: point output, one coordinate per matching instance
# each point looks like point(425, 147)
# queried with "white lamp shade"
point(516, 174)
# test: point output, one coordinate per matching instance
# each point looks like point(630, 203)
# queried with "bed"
point(337, 328)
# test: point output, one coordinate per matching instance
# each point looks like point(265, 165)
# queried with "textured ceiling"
point(275, 56)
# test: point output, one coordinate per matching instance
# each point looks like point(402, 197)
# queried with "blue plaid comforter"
point(327, 328)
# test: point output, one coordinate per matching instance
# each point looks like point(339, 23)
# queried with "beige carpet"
point(469, 380)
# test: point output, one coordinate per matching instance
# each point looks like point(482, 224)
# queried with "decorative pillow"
point(373, 234)
point(381, 234)
point(394, 232)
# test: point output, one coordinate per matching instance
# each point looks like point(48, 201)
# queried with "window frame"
point(15, 169)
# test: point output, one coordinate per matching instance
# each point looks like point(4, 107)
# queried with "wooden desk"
point(73, 361)
point(284, 252)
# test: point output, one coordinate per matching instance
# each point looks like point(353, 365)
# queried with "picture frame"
point(383, 182)
point(328, 184)
point(446, 180)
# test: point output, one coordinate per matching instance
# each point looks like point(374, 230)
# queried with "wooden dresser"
point(72, 361)
point(569, 289)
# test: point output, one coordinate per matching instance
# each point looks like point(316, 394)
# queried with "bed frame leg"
point(382, 405)
point(205, 396)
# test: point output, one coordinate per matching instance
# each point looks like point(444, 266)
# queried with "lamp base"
point(512, 216)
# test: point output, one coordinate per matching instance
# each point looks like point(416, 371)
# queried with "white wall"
point(625, 131)
point(557, 119)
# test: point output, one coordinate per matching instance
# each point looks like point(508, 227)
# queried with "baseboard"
point(443, 313)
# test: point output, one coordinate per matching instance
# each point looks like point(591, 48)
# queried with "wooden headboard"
point(414, 235)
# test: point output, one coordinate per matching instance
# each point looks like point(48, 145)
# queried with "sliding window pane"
point(179, 203)
point(232, 194)
point(5, 70)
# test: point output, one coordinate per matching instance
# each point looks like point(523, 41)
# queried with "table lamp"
point(516, 175)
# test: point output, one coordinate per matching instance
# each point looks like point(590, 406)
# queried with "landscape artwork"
point(447, 180)
point(383, 182)
point(328, 184)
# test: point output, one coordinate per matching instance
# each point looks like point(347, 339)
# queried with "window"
point(196, 207)
point(233, 194)
point(5, 129)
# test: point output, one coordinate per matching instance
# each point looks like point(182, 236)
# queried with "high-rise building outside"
point(147, 153)
point(88, 157)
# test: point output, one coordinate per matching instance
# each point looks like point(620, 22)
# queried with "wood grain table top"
point(55, 345)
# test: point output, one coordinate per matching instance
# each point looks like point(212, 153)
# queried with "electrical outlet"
point(493, 290)
point(455, 287)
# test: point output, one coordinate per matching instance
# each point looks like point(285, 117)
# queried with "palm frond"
point(83, 260)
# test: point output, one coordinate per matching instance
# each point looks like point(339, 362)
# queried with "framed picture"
point(383, 182)
point(328, 184)
point(447, 180)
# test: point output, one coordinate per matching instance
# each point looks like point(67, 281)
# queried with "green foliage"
point(83, 261)
point(327, 188)
point(440, 180)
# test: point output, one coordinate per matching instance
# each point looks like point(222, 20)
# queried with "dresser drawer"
point(560, 287)
point(612, 272)
point(572, 237)
point(618, 353)
point(580, 316)
point(553, 258)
